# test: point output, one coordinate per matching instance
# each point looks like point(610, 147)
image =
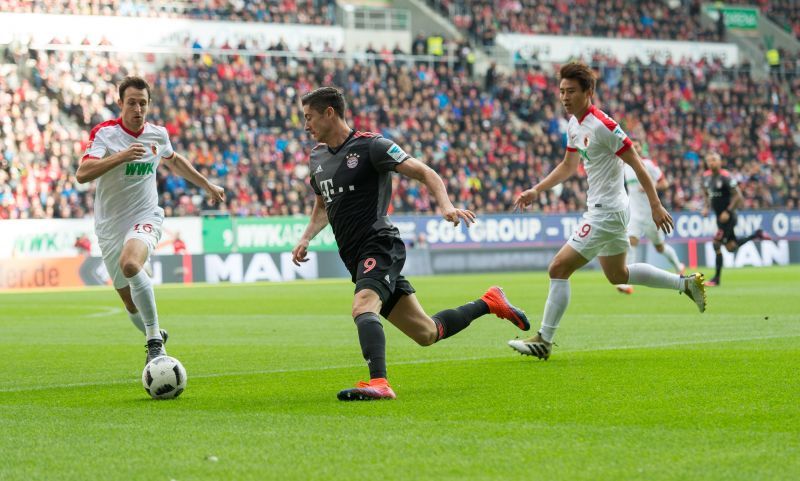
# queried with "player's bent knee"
point(616, 278)
point(557, 269)
point(130, 268)
point(366, 300)
point(660, 248)
point(360, 309)
point(732, 246)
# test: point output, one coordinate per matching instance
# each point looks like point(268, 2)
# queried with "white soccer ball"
point(164, 378)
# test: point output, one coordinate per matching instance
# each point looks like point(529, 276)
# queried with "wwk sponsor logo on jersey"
point(139, 168)
point(584, 154)
point(581, 150)
point(396, 152)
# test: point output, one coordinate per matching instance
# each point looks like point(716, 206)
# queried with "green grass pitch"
point(641, 387)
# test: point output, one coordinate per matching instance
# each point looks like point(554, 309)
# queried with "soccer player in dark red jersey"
point(351, 177)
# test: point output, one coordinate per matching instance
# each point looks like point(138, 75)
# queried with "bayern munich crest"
point(352, 160)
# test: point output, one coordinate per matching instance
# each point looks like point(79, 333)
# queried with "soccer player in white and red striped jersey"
point(595, 138)
point(123, 154)
point(641, 223)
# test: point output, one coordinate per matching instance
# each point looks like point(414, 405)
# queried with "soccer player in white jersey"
point(641, 223)
point(123, 154)
point(602, 145)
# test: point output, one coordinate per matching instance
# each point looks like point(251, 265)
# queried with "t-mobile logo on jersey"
point(328, 190)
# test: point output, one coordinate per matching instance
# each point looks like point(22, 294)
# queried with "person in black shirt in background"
point(723, 196)
point(351, 177)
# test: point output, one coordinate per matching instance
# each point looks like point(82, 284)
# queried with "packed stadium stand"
point(315, 12)
point(648, 19)
point(38, 155)
point(237, 116)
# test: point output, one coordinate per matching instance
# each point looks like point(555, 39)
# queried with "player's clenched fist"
point(134, 152)
point(300, 252)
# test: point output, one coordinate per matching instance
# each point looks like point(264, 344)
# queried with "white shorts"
point(146, 229)
point(601, 234)
point(645, 228)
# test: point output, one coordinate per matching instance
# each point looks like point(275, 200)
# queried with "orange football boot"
point(373, 390)
point(498, 304)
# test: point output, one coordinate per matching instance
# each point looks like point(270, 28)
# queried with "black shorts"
point(725, 232)
point(377, 266)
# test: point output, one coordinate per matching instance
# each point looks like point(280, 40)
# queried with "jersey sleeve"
point(614, 138)
point(98, 145)
point(167, 152)
point(314, 185)
point(732, 183)
point(571, 145)
point(385, 155)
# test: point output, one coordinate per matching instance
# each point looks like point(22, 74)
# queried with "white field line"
point(105, 312)
point(400, 363)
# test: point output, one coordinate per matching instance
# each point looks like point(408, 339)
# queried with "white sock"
point(650, 276)
point(137, 321)
point(671, 256)
point(145, 300)
point(554, 308)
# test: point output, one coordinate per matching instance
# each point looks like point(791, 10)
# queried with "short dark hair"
point(580, 72)
point(324, 97)
point(135, 82)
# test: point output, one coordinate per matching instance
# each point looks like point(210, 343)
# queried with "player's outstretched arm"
point(91, 168)
point(563, 171)
point(318, 221)
point(660, 215)
point(420, 172)
point(181, 166)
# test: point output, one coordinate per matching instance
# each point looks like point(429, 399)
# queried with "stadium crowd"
point(239, 121)
point(315, 12)
point(646, 19)
point(37, 164)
